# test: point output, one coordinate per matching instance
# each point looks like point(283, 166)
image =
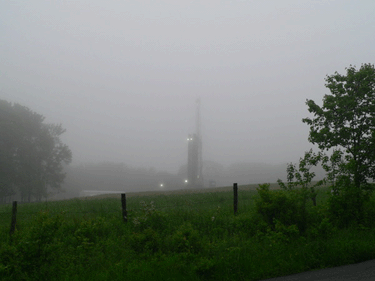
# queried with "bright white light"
point(161, 185)
point(186, 181)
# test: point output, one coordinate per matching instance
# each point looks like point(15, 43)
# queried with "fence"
point(124, 210)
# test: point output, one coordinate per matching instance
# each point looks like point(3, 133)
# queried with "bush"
point(148, 241)
point(287, 207)
point(186, 239)
point(347, 205)
point(322, 230)
point(281, 235)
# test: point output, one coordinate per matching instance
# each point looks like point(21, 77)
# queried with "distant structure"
point(194, 165)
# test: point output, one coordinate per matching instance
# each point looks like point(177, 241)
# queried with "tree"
point(303, 176)
point(31, 153)
point(9, 134)
point(347, 121)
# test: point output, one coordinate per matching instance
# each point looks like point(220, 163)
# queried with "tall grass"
point(170, 237)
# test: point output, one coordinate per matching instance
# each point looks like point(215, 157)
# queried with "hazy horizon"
point(123, 76)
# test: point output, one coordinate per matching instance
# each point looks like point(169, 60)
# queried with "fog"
point(123, 76)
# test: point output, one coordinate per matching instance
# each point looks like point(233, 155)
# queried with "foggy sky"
point(123, 76)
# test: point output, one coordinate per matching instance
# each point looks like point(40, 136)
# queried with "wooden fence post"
point(14, 216)
point(123, 203)
point(235, 198)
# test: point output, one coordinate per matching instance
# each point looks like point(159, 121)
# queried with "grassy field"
point(175, 235)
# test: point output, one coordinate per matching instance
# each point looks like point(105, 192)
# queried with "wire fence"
point(25, 212)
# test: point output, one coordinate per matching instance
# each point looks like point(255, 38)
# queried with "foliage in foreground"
point(345, 126)
point(272, 236)
point(346, 123)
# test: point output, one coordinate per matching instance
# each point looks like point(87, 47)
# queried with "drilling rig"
point(194, 165)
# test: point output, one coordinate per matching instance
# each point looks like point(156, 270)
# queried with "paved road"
point(364, 271)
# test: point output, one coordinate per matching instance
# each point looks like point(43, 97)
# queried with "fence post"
point(14, 215)
point(123, 203)
point(235, 198)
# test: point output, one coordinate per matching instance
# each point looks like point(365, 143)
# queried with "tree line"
point(32, 155)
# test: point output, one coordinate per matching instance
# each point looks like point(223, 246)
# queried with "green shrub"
point(35, 252)
point(286, 206)
point(92, 230)
point(186, 239)
point(10, 266)
point(346, 205)
point(322, 230)
point(369, 212)
point(281, 235)
point(147, 241)
point(205, 268)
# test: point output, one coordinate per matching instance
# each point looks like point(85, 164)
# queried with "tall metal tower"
point(194, 176)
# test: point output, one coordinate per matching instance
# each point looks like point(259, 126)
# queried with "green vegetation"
point(346, 120)
point(345, 126)
point(196, 236)
point(31, 153)
point(192, 236)
point(345, 123)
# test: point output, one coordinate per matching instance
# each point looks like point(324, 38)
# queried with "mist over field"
point(117, 177)
point(123, 77)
